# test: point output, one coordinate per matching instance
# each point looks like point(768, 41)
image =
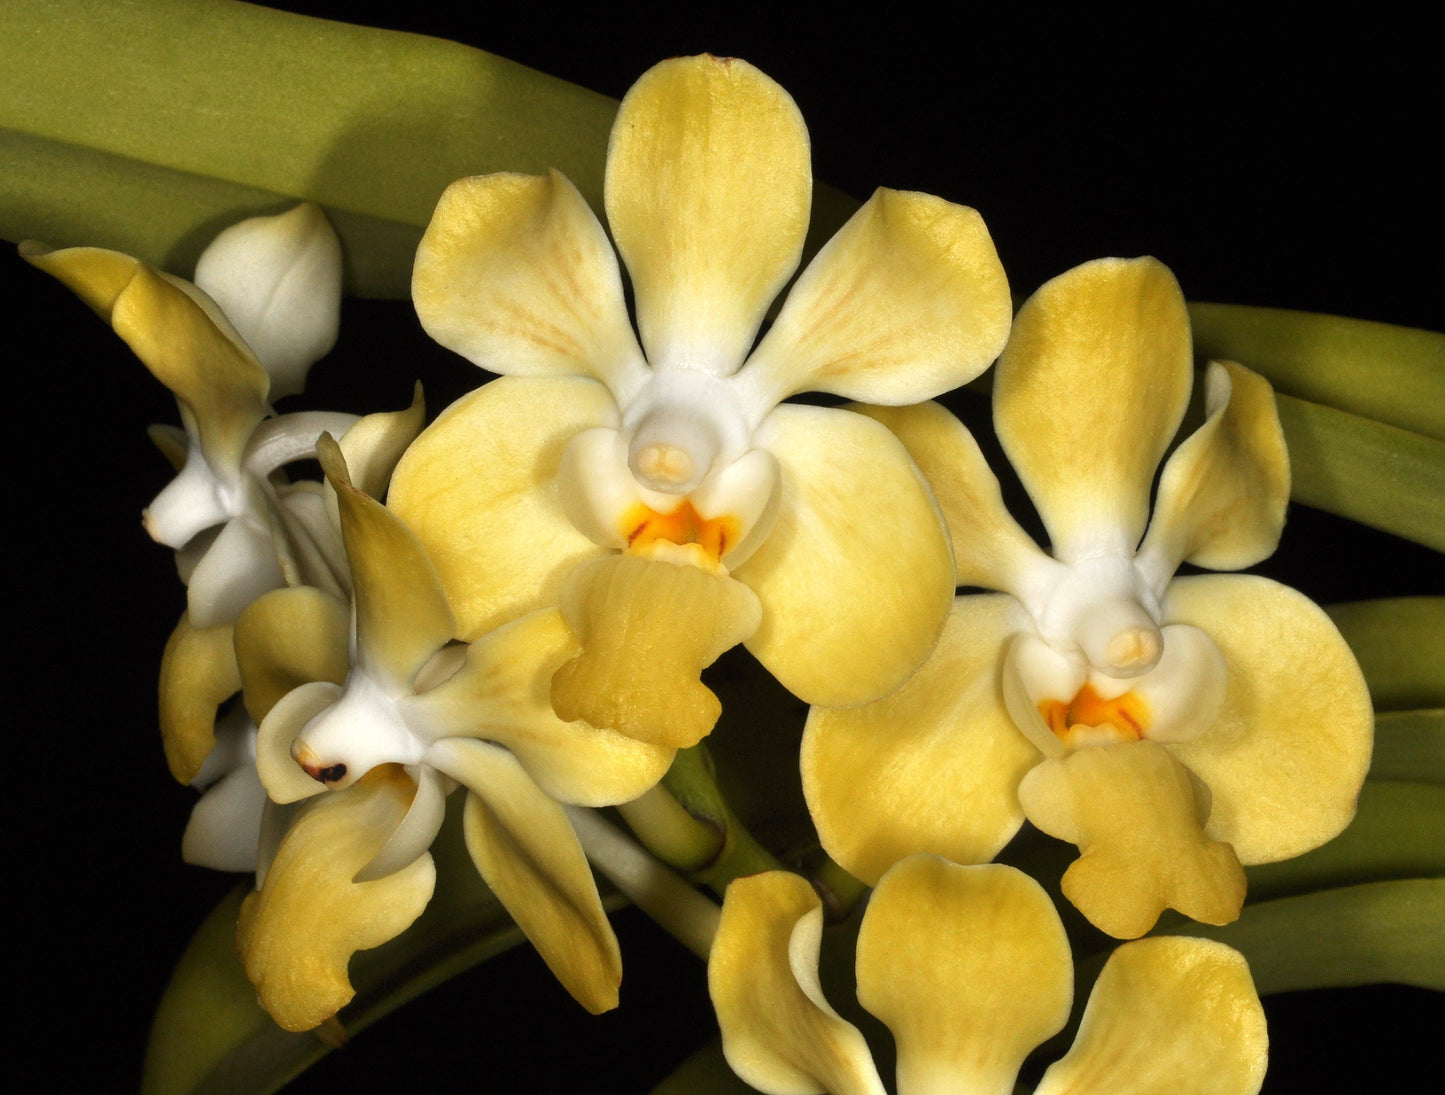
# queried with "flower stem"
point(681, 911)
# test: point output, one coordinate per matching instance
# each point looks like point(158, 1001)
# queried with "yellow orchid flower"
point(1173, 728)
point(370, 718)
point(662, 492)
point(970, 970)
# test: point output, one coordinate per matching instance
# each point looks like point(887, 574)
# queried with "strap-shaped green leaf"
point(1356, 935)
point(1398, 832)
point(1400, 645)
point(1409, 745)
point(1379, 475)
point(1395, 375)
point(147, 127)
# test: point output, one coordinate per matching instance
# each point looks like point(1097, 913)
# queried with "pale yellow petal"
point(1287, 756)
point(374, 445)
point(707, 190)
point(503, 693)
point(515, 274)
point(906, 302)
point(779, 1032)
point(1136, 816)
point(1167, 1016)
point(932, 767)
point(970, 969)
point(298, 932)
point(856, 577)
point(288, 638)
point(528, 853)
point(478, 488)
point(402, 618)
point(1088, 394)
point(198, 674)
point(648, 629)
point(1223, 492)
point(990, 549)
point(284, 779)
point(203, 363)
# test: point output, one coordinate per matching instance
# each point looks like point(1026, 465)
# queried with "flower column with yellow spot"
point(370, 726)
point(1172, 728)
point(661, 491)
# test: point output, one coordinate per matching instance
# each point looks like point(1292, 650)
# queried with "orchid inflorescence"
point(519, 600)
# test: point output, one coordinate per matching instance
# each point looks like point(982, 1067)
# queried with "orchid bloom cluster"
point(516, 602)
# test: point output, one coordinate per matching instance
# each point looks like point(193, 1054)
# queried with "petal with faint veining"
point(526, 850)
point(907, 301)
point(708, 186)
point(1088, 394)
point(478, 488)
point(779, 1032)
point(1286, 757)
point(1167, 1016)
point(932, 767)
point(1223, 492)
point(990, 550)
point(856, 577)
point(515, 274)
point(970, 969)
point(298, 932)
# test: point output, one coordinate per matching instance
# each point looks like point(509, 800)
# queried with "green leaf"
point(1356, 935)
point(1409, 745)
point(146, 127)
point(1400, 645)
point(1398, 832)
point(1379, 475)
point(1394, 375)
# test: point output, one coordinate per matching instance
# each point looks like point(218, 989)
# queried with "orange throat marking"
point(643, 526)
point(1089, 717)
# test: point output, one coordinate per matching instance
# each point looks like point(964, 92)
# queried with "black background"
point(1266, 165)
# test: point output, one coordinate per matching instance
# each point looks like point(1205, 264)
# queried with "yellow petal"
point(907, 301)
point(648, 629)
point(1088, 394)
point(932, 767)
point(198, 674)
point(779, 1032)
point(1291, 747)
point(504, 693)
point(515, 274)
point(374, 445)
point(970, 969)
point(194, 354)
point(288, 638)
point(856, 577)
point(94, 274)
point(707, 189)
point(528, 853)
point(478, 488)
point(1167, 1016)
point(1135, 815)
point(298, 932)
point(990, 550)
point(1223, 493)
point(284, 779)
point(402, 618)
